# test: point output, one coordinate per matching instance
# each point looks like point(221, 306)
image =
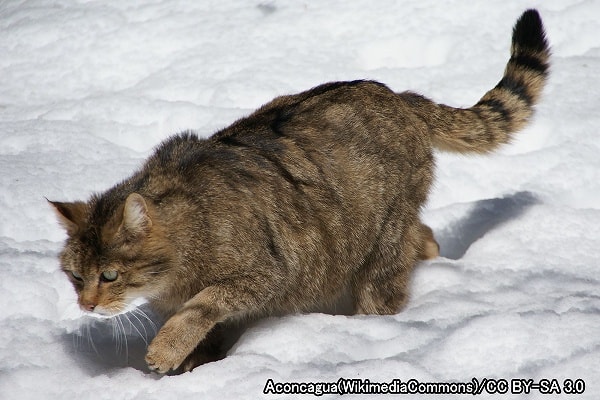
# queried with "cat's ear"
point(70, 215)
point(135, 222)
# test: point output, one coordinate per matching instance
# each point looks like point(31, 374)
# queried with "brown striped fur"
point(311, 196)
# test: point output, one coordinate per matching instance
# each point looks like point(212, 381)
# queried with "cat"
point(311, 195)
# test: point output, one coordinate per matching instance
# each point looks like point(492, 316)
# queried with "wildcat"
point(312, 195)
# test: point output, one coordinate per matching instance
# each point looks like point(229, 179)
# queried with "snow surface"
point(88, 88)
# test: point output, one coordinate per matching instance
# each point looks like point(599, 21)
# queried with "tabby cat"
point(312, 195)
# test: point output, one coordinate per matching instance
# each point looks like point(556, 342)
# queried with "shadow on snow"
point(455, 239)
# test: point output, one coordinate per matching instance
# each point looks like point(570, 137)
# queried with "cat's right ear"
point(136, 222)
point(70, 215)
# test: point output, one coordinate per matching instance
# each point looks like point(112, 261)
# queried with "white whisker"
point(90, 339)
point(120, 324)
point(78, 336)
point(142, 313)
point(145, 335)
point(115, 334)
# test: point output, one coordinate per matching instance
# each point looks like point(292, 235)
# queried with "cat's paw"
point(163, 358)
point(168, 349)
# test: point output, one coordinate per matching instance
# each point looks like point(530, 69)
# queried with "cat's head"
point(113, 254)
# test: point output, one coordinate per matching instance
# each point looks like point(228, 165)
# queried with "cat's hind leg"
point(381, 286)
point(429, 246)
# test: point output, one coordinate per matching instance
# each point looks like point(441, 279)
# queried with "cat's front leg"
point(211, 348)
point(182, 333)
point(174, 342)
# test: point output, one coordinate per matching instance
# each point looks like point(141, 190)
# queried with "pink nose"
point(88, 307)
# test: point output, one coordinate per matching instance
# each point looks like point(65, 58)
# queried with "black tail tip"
point(528, 33)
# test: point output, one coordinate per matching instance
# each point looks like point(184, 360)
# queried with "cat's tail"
point(507, 107)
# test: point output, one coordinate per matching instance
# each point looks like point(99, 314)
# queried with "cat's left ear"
point(136, 222)
point(70, 215)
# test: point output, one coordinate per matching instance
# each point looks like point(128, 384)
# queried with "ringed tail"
point(507, 107)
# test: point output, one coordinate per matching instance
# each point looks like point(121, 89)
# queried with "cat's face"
point(113, 264)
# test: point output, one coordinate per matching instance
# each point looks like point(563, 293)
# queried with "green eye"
point(110, 275)
point(76, 275)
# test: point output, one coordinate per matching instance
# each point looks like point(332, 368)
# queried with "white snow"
point(88, 88)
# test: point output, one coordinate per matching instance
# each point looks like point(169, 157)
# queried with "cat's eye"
point(76, 275)
point(110, 275)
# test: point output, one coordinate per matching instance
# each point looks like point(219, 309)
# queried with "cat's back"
point(341, 138)
point(336, 111)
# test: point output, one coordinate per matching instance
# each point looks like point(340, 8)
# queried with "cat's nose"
point(88, 307)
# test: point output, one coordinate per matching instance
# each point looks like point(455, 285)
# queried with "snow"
point(90, 87)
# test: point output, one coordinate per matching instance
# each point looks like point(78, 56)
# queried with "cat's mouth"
point(116, 308)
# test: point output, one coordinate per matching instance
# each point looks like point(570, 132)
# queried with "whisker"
point(78, 335)
point(120, 324)
point(115, 334)
point(143, 314)
point(144, 337)
point(90, 338)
